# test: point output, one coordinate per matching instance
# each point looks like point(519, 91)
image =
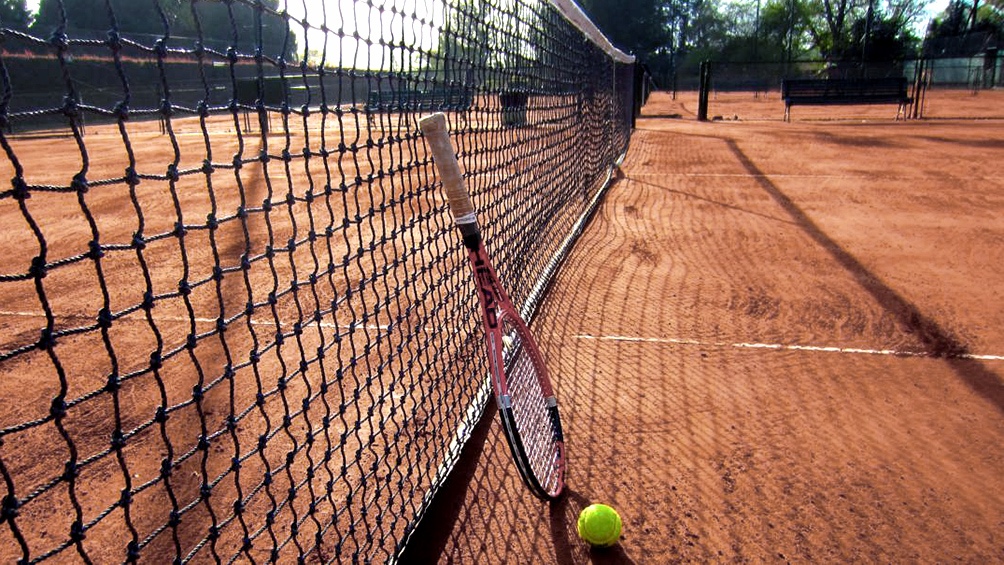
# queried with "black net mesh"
point(237, 322)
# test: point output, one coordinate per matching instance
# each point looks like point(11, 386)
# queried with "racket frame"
point(496, 306)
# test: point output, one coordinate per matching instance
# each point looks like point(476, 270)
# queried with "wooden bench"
point(824, 92)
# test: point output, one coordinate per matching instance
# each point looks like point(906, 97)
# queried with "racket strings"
point(531, 413)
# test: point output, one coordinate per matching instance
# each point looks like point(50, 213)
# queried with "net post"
point(990, 67)
point(702, 105)
point(920, 87)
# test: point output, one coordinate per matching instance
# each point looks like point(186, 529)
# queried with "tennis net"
point(237, 322)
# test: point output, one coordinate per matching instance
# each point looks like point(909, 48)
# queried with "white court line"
point(785, 347)
point(629, 175)
point(200, 320)
point(744, 175)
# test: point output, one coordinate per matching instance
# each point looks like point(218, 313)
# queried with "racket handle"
point(438, 137)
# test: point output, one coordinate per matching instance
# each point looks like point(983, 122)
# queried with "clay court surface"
point(774, 343)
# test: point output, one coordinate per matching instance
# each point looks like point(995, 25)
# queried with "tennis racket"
point(526, 401)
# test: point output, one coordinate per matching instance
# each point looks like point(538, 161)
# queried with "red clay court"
point(774, 343)
point(237, 324)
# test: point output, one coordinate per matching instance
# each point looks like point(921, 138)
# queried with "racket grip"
point(438, 137)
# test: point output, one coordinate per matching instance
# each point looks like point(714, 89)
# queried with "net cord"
point(574, 14)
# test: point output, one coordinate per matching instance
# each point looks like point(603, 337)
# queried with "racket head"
point(528, 407)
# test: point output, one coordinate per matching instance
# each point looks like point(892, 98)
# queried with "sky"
point(933, 9)
point(363, 19)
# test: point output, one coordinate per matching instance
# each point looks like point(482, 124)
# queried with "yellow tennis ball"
point(600, 525)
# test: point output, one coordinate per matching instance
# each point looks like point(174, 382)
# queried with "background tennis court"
point(775, 343)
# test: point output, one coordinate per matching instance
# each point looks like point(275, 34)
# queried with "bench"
point(824, 92)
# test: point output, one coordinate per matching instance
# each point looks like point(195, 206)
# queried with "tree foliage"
point(14, 14)
point(662, 33)
point(634, 26)
point(864, 30)
point(965, 28)
point(217, 24)
point(673, 33)
point(788, 30)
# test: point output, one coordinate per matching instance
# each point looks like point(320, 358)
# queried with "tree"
point(670, 36)
point(962, 31)
point(463, 46)
point(648, 29)
point(830, 26)
point(787, 30)
point(216, 24)
point(633, 26)
point(863, 29)
point(742, 27)
point(14, 14)
point(884, 39)
point(140, 17)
